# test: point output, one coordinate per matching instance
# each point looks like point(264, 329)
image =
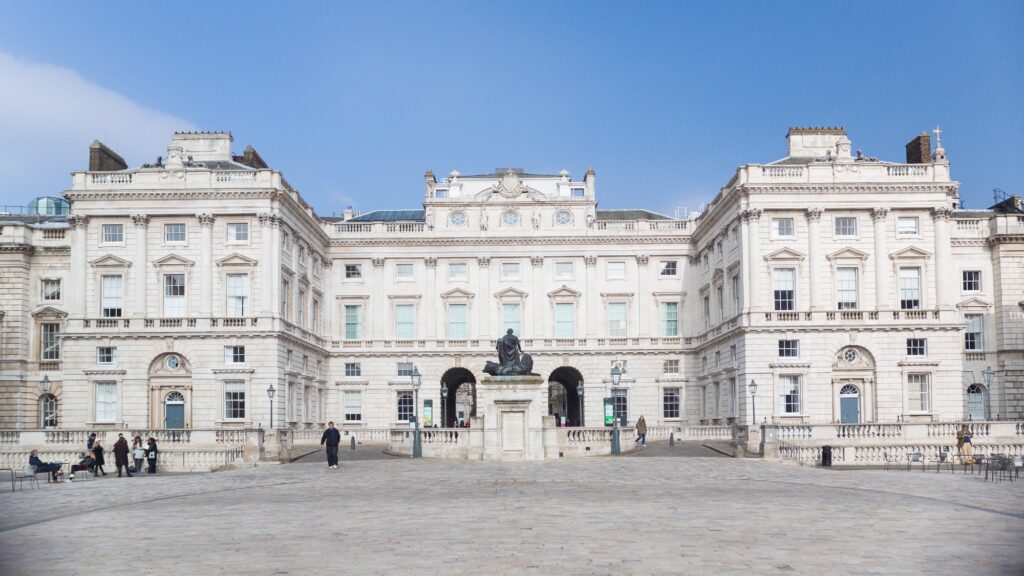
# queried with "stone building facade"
point(178, 294)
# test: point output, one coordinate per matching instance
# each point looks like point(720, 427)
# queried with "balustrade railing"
point(235, 176)
point(581, 436)
point(782, 171)
point(906, 170)
point(110, 178)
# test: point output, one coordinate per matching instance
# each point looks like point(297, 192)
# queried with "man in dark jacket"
point(331, 439)
point(121, 451)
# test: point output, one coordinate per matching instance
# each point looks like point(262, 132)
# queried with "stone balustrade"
point(828, 172)
point(192, 177)
point(600, 228)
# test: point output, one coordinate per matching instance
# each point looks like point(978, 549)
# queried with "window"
point(405, 322)
point(617, 320)
point(112, 289)
point(106, 355)
point(316, 315)
point(288, 358)
point(404, 406)
point(670, 403)
point(846, 289)
point(511, 315)
point(616, 270)
point(732, 353)
point(237, 291)
point(907, 226)
point(48, 411)
point(789, 390)
point(718, 248)
point(174, 295)
point(718, 358)
point(917, 346)
point(720, 300)
point(704, 363)
point(404, 272)
point(621, 403)
point(578, 192)
point(234, 399)
point(670, 367)
point(735, 294)
point(238, 232)
point(784, 281)
point(49, 348)
point(706, 262)
point(846, 226)
point(234, 354)
point(301, 305)
point(319, 367)
point(789, 348)
point(353, 321)
point(106, 401)
point(910, 288)
point(782, 227)
point(404, 369)
point(563, 217)
point(174, 233)
point(564, 270)
point(707, 312)
point(286, 296)
point(510, 218)
point(972, 281)
point(670, 319)
point(113, 233)
point(918, 392)
point(668, 267)
point(440, 192)
point(51, 290)
point(456, 271)
point(353, 271)
point(353, 369)
point(353, 406)
point(510, 270)
point(565, 320)
point(457, 322)
point(973, 334)
point(735, 235)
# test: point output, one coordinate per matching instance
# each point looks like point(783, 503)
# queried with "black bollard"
point(672, 440)
point(352, 444)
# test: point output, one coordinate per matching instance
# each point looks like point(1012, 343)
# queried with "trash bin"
point(826, 456)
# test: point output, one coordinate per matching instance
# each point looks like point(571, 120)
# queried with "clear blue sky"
point(354, 101)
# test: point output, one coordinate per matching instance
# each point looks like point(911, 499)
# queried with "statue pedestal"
point(513, 409)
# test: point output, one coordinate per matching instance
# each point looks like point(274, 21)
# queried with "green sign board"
point(428, 413)
point(609, 412)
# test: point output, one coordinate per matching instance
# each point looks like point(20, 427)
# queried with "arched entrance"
point(174, 411)
point(170, 391)
point(460, 403)
point(853, 383)
point(976, 402)
point(563, 398)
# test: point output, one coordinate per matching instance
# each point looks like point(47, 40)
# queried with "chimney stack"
point(348, 214)
point(919, 150)
point(251, 158)
point(103, 159)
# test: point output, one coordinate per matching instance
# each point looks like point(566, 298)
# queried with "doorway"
point(564, 401)
point(849, 404)
point(174, 411)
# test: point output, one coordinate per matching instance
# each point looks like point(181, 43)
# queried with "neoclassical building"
point(201, 290)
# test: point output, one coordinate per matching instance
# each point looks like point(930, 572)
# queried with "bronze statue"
point(510, 363)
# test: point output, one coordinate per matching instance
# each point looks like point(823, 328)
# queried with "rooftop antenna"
point(998, 195)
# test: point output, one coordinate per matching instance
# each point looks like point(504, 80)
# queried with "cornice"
point(519, 241)
point(846, 188)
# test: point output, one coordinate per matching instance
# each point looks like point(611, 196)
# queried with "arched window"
point(175, 398)
point(976, 402)
point(48, 411)
point(849, 390)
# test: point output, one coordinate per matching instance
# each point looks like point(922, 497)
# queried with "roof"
point(630, 214)
point(391, 216)
point(972, 213)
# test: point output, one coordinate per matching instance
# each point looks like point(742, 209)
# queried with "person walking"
point(138, 453)
point(151, 452)
point(121, 451)
point(97, 449)
point(641, 431)
point(331, 438)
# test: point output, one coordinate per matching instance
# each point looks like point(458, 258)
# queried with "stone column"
point(378, 302)
point(141, 222)
point(940, 216)
point(751, 218)
point(485, 304)
point(205, 264)
point(540, 299)
point(268, 230)
point(643, 296)
point(813, 257)
point(591, 296)
point(882, 295)
point(429, 300)
point(79, 266)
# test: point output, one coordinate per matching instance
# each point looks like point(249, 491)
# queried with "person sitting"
point(52, 467)
point(87, 462)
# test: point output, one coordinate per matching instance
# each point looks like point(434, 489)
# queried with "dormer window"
point(577, 192)
point(440, 192)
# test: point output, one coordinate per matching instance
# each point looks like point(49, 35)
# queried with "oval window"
point(563, 217)
point(510, 218)
point(457, 218)
point(173, 362)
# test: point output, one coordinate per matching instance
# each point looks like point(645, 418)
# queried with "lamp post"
point(417, 450)
point(753, 405)
point(989, 375)
point(444, 404)
point(579, 394)
point(270, 394)
point(616, 377)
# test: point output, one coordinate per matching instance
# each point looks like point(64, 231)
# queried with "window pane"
point(617, 320)
point(789, 389)
point(353, 270)
point(973, 334)
point(670, 403)
point(910, 288)
point(846, 288)
point(563, 269)
point(846, 226)
point(670, 319)
point(906, 225)
point(784, 288)
point(113, 233)
point(112, 296)
point(50, 341)
point(174, 232)
point(457, 271)
point(782, 226)
point(353, 406)
point(51, 289)
point(405, 321)
point(616, 270)
point(509, 270)
point(106, 401)
point(238, 294)
point(234, 399)
point(972, 281)
point(457, 321)
point(174, 295)
point(511, 318)
point(404, 271)
point(353, 322)
point(238, 232)
point(405, 406)
point(669, 268)
point(564, 320)
point(917, 392)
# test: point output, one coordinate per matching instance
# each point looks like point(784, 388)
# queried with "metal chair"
point(944, 458)
point(915, 457)
point(26, 473)
point(889, 459)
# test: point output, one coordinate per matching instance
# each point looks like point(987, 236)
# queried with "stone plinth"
point(513, 409)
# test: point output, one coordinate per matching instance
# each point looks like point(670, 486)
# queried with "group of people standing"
point(93, 458)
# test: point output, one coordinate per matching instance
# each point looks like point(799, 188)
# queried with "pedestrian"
point(86, 463)
point(53, 468)
point(92, 440)
point(641, 431)
point(151, 452)
point(963, 443)
point(97, 449)
point(138, 454)
point(121, 451)
point(331, 438)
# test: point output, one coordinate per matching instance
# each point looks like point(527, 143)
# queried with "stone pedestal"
point(513, 412)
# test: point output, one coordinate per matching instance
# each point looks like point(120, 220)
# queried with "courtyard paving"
point(658, 514)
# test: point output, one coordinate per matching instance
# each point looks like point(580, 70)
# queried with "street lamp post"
point(270, 394)
point(444, 405)
point(579, 399)
point(753, 405)
point(989, 375)
point(616, 376)
point(417, 450)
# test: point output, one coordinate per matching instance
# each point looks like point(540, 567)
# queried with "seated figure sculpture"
point(510, 363)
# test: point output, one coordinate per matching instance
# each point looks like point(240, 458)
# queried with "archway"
point(853, 385)
point(170, 391)
point(563, 398)
point(460, 403)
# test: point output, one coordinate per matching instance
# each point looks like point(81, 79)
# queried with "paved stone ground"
point(646, 515)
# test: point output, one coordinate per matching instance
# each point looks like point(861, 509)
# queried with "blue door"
point(174, 416)
point(849, 404)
